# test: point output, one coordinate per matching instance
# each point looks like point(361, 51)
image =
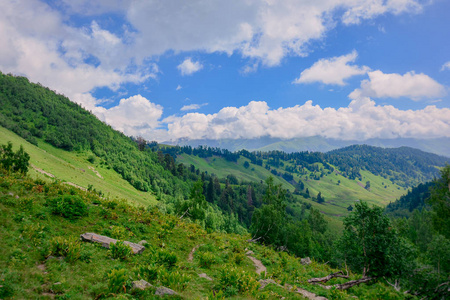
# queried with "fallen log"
point(339, 274)
point(344, 286)
point(106, 241)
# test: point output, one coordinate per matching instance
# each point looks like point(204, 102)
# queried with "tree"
point(440, 203)
point(370, 245)
point(320, 198)
point(196, 205)
point(269, 219)
point(14, 161)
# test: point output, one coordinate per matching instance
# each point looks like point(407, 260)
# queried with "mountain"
point(440, 146)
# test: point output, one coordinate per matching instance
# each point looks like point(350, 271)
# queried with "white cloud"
point(332, 71)
point(361, 120)
point(411, 85)
point(189, 67)
point(192, 106)
point(38, 40)
point(179, 87)
point(36, 43)
point(133, 116)
point(259, 29)
point(446, 66)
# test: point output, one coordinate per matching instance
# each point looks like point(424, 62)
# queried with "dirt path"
point(42, 171)
point(95, 171)
point(74, 185)
point(258, 264)
point(191, 254)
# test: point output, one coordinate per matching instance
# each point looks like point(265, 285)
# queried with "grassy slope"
point(27, 271)
point(221, 168)
point(337, 197)
point(74, 167)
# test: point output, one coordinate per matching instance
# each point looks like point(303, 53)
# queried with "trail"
point(95, 171)
point(42, 171)
point(191, 254)
point(258, 264)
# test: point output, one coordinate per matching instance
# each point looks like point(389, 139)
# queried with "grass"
point(74, 167)
point(339, 192)
point(30, 270)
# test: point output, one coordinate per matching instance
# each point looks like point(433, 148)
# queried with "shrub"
point(69, 206)
point(233, 281)
point(118, 281)
point(167, 258)
point(175, 279)
point(69, 248)
point(206, 259)
point(148, 272)
point(119, 250)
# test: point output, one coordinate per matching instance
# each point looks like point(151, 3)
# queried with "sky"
point(213, 69)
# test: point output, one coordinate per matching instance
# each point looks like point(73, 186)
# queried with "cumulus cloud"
point(36, 43)
point(189, 67)
point(192, 106)
point(133, 116)
point(332, 71)
point(361, 120)
point(257, 29)
point(39, 42)
point(446, 66)
point(411, 85)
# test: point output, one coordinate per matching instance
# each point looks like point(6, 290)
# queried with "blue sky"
point(164, 70)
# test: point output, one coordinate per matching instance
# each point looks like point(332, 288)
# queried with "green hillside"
point(42, 257)
point(74, 167)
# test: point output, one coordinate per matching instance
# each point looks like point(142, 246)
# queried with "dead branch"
point(327, 278)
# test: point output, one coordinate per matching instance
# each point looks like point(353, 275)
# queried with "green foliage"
point(173, 279)
point(69, 248)
point(119, 250)
point(268, 220)
point(14, 161)
point(166, 258)
point(118, 281)
point(440, 202)
point(370, 245)
point(232, 281)
point(206, 259)
point(148, 272)
point(196, 205)
point(68, 206)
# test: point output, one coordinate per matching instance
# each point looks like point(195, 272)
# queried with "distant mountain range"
point(440, 146)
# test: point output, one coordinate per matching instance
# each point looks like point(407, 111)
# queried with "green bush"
point(167, 258)
point(174, 279)
point(233, 281)
point(118, 281)
point(148, 272)
point(69, 248)
point(69, 206)
point(119, 250)
point(206, 259)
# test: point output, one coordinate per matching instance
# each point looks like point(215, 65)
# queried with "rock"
point(249, 252)
point(141, 284)
point(305, 261)
point(265, 282)
point(162, 290)
point(106, 241)
point(203, 275)
point(143, 242)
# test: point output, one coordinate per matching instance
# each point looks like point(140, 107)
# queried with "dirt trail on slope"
point(42, 171)
point(258, 264)
point(191, 254)
point(95, 171)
